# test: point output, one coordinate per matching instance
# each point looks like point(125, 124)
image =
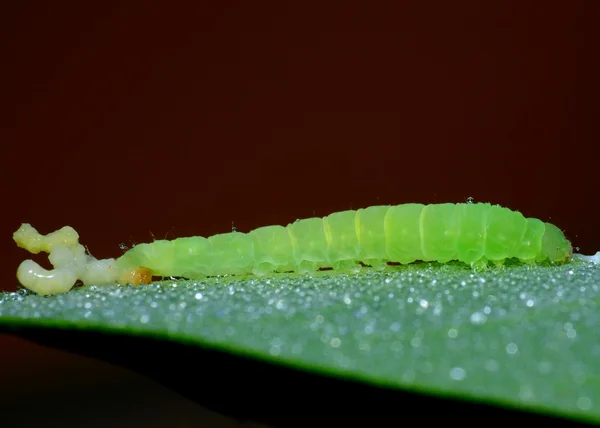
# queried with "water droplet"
point(526, 392)
point(335, 342)
point(198, 296)
point(408, 376)
point(512, 348)
point(415, 342)
point(458, 373)
point(584, 403)
point(144, 319)
point(478, 318)
point(424, 303)
point(452, 333)
point(470, 200)
point(492, 365)
point(544, 367)
point(364, 346)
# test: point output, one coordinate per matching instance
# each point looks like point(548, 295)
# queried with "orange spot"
point(137, 276)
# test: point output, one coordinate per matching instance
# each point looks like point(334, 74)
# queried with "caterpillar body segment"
point(467, 232)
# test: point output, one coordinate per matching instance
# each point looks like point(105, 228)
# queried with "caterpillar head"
point(555, 246)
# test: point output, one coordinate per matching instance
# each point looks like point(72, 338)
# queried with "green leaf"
point(520, 337)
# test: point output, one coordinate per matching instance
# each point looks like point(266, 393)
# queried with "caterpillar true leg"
point(70, 262)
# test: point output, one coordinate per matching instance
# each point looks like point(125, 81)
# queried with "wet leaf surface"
point(341, 346)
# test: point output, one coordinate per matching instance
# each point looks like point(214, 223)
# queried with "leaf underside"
point(518, 337)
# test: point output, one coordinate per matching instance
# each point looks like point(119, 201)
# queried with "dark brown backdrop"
point(132, 120)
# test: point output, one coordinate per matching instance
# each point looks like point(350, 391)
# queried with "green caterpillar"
point(470, 233)
point(473, 233)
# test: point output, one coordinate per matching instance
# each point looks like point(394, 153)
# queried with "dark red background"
point(132, 120)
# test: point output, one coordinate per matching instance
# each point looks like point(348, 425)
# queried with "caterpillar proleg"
point(472, 233)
